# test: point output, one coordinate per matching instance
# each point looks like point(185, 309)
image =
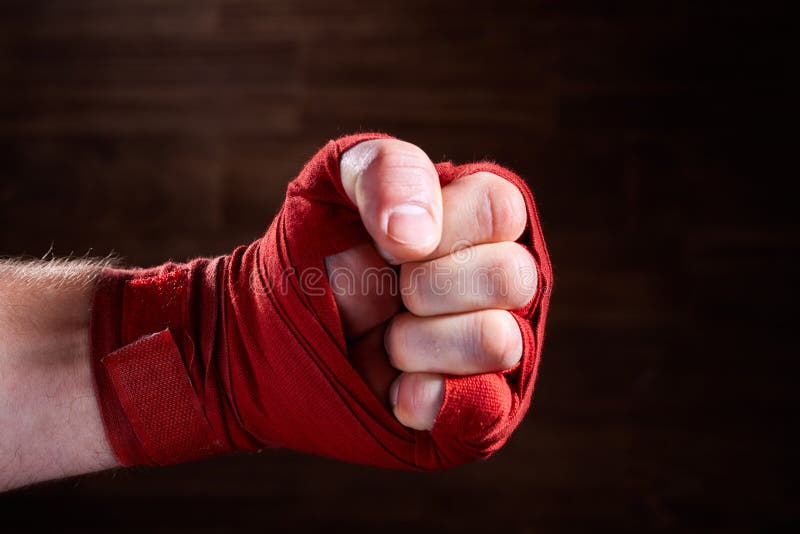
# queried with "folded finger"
point(494, 275)
point(467, 343)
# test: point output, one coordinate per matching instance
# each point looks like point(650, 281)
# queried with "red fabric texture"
point(246, 351)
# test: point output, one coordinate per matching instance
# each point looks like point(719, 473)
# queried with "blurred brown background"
point(650, 133)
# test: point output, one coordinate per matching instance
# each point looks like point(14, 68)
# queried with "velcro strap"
point(154, 389)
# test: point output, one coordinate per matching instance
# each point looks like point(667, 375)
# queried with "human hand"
point(445, 311)
point(265, 347)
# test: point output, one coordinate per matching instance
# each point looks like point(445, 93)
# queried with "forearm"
point(50, 425)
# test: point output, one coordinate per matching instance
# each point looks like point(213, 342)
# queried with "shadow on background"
point(649, 132)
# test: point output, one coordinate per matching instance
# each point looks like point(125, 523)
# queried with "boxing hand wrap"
point(247, 351)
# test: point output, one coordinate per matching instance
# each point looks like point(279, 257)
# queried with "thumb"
point(396, 189)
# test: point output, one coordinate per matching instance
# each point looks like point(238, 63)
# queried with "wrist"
point(49, 421)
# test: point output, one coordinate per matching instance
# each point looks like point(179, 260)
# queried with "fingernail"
point(411, 224)
point(394, 390)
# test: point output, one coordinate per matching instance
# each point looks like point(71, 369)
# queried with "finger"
point(469, 343)
point(365, 288)
point(417, 398)
point(480, 208)
point(396, 189)
point(368, 358)
point(494, 275)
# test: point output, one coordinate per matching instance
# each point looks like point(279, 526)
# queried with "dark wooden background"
point(654, 134)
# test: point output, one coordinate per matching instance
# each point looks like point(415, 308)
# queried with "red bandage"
point(246, 351)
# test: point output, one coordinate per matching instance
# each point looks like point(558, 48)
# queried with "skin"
point(402, 343)
point(50, 423)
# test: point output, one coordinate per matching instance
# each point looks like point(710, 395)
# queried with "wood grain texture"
point(652, 134)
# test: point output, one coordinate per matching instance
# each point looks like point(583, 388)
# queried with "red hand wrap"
point(246, 351)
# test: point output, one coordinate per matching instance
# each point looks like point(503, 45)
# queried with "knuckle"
point(522, 274)
point(500, 339)
point(396, 154)
point(504, 211)
point(386, 166)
